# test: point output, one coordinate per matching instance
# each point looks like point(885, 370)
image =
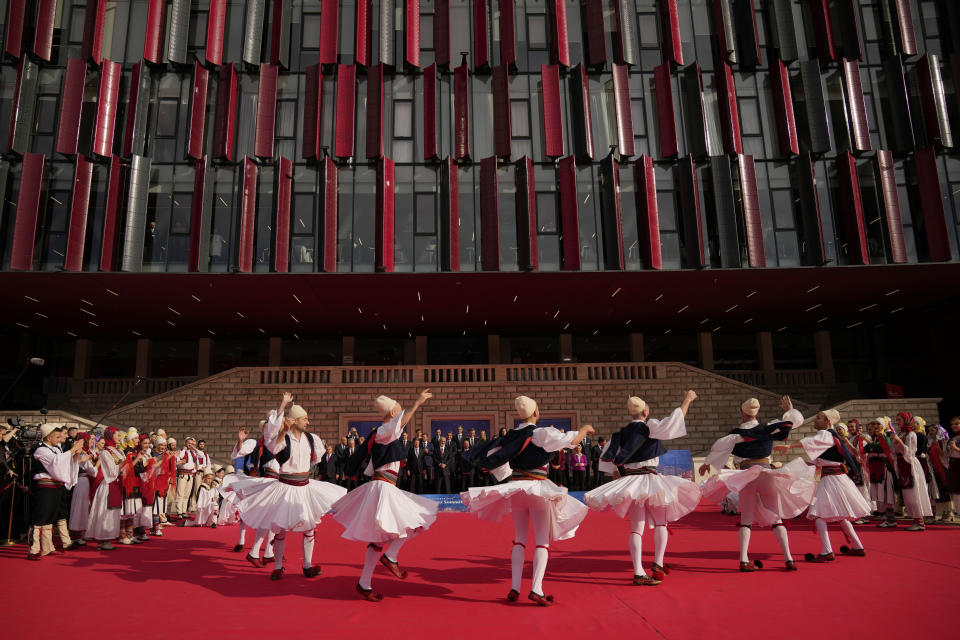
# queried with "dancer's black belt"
point(833, 470)
point(295, 479)
point(642, 471)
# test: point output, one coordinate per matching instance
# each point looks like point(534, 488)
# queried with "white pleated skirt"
point(781, 494)
point(838, 498)
point(493, 503)
point(104, 523)
point(673, 494)
point(379, 512)
point(267, 503)
point(80, 504)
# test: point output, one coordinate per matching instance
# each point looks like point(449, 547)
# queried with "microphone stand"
point(117, 403)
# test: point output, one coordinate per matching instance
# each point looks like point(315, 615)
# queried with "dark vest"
point(386, 453)
point(515, 448)
point(633, 444)
point(284, 455)
point(258, 458)
point(833, 454)
point(759, 439)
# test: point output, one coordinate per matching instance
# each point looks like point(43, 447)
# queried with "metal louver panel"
point(386, 33)
point(729, 110)
point(111, 216)
point(138, 107)
point(905, 34)
point(28, 211)
point(782, 94)
point(280, 33)
point(330, 31)
point(890, 198)
point(726, 239)
point(527, 254)
point(93, 18)
point(580, 112)
point(461, 113)
point(621, 99)
point(666, 120)
point(782, 30)
point(248, 215)
point(16, 18)
point(670, 32)
point(201, 217)
point(224, 127)
point(489, 216)
point(79, 206)
point(363, 32)
point(932, 215)
point(611, 214)
point(329, 181)
point(823, 30)
point(43, 40)
point(374, 111)
point(690, 214)
point(750, 203)
point(253, 31)
point(815, 100)
point(449, 216)
point(412, 34)
point(384, 250)
point(812, 248)
point(726, 34)
point(481, 37)
point(748, 38)
point(266, 111)
point(698, 133)
point(851, 47)
point(899, 105)
point(71, 104)
point(179, 31)
point(153, 36)
point(431, 146)
point(934, 101)
point(441, 33)
point(216, 19)
point(856, 105)
point(552, 114)
point(569, 214)
point(312, 112)
point(508, 37)
point(502, 137)
point(281, 244)
point(24, 107)
point(596, 49)
point(626, 36)
point(106, 109)
point(851, 209)
point(135, 227)
point(648, 216)
point(198, 111)
point(346, 103)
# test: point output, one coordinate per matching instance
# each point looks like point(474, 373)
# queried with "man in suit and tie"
point(595, 452)
point(472, 438)
point(443, 462)
point(328, 469)
point(349, 483)
point(436, 439)
point(414, 468)
point(459, 438)
point(429, 471)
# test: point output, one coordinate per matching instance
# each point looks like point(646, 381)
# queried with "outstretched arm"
point(422, 398)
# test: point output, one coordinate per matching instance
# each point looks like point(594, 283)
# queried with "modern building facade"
point(746, 186)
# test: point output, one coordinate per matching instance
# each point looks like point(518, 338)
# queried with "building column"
point(144, 354)
point(421, 350)
point(275, 355)
point(821, 342)
point(493, 348)
point(82, 357)
point(566, 347)
point(765, 358)
point(636, 348)
point(204, 357)
point(349, 343)
point(705, 347)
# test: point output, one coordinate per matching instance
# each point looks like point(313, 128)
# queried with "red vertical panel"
point(569, 215)
point(312, 110)
point(330, 31)
point(753, 223)
point(281, 250)
point(621, 96)
point(931, 205)
point(201, 167)
point(280, 33)
point(224, 126)
point(851, 208)
point(412, 33)
point(481, 49)
point(502, 137)
point(559, 43)
point(461, 113)
point(783, 108)
point(106, 108)
point(430, 150)
point(552, 117)
point(248, 215)
point(891, 205)
point(216, 18)
point(16, 17)
point(452, 214)
point(526, 215)
point(857, 106)
point(266, 110)
point(111, 217)
point(596, 37)
point(508, 35)
point(92, 46)
point(670, 32)
point(663, 85)
point(729, 110)
point(489, 216)
point(383, 252)
point(329, 215)
point(153, 37)
point(648, 216)
point(28, 210)
point(346, 103)
point(198, 111)
point(68, 131)
point(908, 37)
point(43, 40)
point(826, 49)
point(441, 33)
point(79, 205)
point(375, 112)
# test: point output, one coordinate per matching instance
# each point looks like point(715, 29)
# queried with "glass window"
point(520, 118)
point(537, 31)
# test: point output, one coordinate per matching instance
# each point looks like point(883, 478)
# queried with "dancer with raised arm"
point(523, 454)
point(257, 466)
point(641, 493)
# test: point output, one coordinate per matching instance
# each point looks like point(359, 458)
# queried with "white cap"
point(525, 406)
point(751, 407)
point(384, 405)
point(296, 412)
point(635, 405)
point(48, 428)
point(161, 441)
point(832, 415)
point(229, 468)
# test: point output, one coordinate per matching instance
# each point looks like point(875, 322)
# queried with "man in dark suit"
point(459, 438)
point(436, 439)
point(429, 471)
point(414, 468)
point(341, 452)
point(328, 469)
point(405, 443)
point(472, 438)
point(443, 462)
point(349, 483)
point(595, 452)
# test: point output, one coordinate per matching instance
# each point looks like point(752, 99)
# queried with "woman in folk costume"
point(258, 466)
point(136, 474)
point(766, 496)
point(882, 470)
point(837, 498)
point(293, 503)
point(104, 524)
point(377, 512)
point(859, 440)
point(207, 503)
point(165, 485)
point(523, 454)
point(913, 484)
point(640, 493)
point(937, 461)
point(82, 495)
point(229, 514)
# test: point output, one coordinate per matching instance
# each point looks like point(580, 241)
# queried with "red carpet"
point(190, 580)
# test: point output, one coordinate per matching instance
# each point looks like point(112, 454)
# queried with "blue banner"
point(447, 501)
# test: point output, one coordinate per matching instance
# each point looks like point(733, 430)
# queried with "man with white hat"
point(188, 463)
point(837, 498)
point(767, 497)
point(59, 473)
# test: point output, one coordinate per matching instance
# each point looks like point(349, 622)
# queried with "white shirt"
point(673, 426)
point(58, 465)
point(816, 444)
point(387, 433)
point(723, 447)
point(187, 460)
point(299, 461)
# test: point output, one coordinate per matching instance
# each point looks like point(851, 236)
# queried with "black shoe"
point(276, 574)
point(238, 548)
point(790, 565)
point(847, 551)
point(311, 572)
point(543, 601)
point(513, 596)
point(823, 557)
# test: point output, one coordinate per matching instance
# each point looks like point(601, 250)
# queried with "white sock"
point(393, 549)
point(369, 564)
point(268, 549)
point(780, 533)
point(744, 543)
point(243, 536)
point(278, 546)
point(308, 550)
point(851, 534)
point(636, 549)
point(540, 556)
point(516, 566)
point(825, 546)
point(660, 536)
point(258, 537)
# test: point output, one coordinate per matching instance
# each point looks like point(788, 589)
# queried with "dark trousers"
point(579, 480)
point(415, 482)
point(45, 505)
point(443, 482)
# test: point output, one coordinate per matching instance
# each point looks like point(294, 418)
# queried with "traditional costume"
point(953, 468)
point(82, 495)
point(207, 503)
point(523, 454)
point(104, 524)
point(766, 496)
point(641, 493)
point(59, 473)
point(937, 460)
point(165, 484)
point(188, 463)
point(913, 484)
point(255, 462)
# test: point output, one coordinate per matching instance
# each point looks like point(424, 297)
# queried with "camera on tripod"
point(26, 434)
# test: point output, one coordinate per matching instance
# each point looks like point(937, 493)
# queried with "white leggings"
point(529, 510)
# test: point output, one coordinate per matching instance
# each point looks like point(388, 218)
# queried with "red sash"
point(936, 457)
point(885, 445)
